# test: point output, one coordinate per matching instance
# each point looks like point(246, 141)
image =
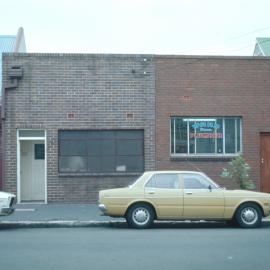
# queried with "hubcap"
point(140, 216)
point(249, 215)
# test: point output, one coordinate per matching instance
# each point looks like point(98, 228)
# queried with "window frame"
point(153, 175)
point(213, 184)
point(115, 156)
point(206, 155)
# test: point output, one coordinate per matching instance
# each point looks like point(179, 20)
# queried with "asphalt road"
point(168, 247)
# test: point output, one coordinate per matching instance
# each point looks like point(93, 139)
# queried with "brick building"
point(75, 124)
point(211, 108)
point(78, 123)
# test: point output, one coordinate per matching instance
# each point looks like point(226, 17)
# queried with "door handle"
point(188, 192)
point(151, 192)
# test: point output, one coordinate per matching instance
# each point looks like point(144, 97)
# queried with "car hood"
point(5, 195)
point(245, 193)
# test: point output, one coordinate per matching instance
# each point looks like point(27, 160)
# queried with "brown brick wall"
point(212, 86)
point(98, 90)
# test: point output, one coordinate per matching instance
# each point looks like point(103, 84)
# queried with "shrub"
point(238, 171)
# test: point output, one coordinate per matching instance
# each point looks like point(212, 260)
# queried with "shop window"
point(211, 136)
point(104, 151)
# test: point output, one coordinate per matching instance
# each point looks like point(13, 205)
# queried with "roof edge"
point(158, 56)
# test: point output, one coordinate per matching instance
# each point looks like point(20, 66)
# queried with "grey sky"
point(223, 27)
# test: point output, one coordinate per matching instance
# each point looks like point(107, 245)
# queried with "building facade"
point(78, 123)
point(209, 109)
point(75, 124)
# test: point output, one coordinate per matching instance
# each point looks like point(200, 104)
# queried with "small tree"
point(238, 171)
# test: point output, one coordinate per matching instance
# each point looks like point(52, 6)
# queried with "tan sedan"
point(182, 195)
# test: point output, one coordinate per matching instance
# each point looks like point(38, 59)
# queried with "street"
point(184, 246)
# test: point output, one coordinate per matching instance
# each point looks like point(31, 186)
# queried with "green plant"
point(238, 171)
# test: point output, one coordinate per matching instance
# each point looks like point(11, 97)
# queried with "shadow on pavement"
point(189, 225)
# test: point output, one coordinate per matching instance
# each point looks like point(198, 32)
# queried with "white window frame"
point(223, 154)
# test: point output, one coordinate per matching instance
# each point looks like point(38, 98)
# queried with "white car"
point(6, 203)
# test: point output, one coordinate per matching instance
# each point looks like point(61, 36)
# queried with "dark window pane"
point(31, 133)
point(107, 147)
point(73, 148)
point(73, 164)
point(172, 136)
point(101, 147)
point(73, 134)
point(192, 132)
point(129, 147)
point(219, 136)
point(238, 134)
point(95, 151)
point(94, 164)
point(107, 134)
point(94, 134)
point(40, 151)
point(132, 134)
point(94, 147)
point(229, 135)
point(205, 135)
point(180, 136)
point(108, 164)
point(130, 163)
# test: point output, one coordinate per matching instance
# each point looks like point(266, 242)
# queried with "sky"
point(181, 27)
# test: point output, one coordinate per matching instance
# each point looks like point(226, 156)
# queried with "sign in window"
point(206, 136)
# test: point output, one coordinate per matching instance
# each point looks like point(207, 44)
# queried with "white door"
point(32, 170)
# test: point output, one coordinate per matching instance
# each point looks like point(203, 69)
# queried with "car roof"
point(172, 171)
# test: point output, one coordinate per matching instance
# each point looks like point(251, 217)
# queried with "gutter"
point(14, 74)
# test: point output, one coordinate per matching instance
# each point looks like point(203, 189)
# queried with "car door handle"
point(151, 192)
point(188, 192)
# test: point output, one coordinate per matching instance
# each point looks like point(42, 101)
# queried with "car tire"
point(140, 216)
point(248, 215)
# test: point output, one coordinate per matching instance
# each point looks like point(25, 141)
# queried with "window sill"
point(73, 174)
point(203, 157)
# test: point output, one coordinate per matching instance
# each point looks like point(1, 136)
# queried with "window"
point(163, 181)
point(197, 181)
point(94, 151)
point(206, 136)
point(40, 151)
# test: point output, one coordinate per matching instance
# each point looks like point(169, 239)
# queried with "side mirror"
point(210, 188)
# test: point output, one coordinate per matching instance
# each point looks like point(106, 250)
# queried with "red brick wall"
point(212, 86)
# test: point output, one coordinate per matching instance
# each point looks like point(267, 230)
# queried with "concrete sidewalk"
point(57, 215)
point(60, 215)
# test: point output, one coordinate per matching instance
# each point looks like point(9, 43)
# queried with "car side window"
point(195, 181)
point(169, 181)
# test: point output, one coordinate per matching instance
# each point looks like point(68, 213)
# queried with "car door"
point(202, 198)
point(164, 192)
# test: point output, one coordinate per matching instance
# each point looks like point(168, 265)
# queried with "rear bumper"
point(103, 209)
point(7, 211)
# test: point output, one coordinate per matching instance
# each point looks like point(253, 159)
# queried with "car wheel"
point(248, 215)
point(140, 216)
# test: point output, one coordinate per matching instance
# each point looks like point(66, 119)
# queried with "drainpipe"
point(14, 73)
